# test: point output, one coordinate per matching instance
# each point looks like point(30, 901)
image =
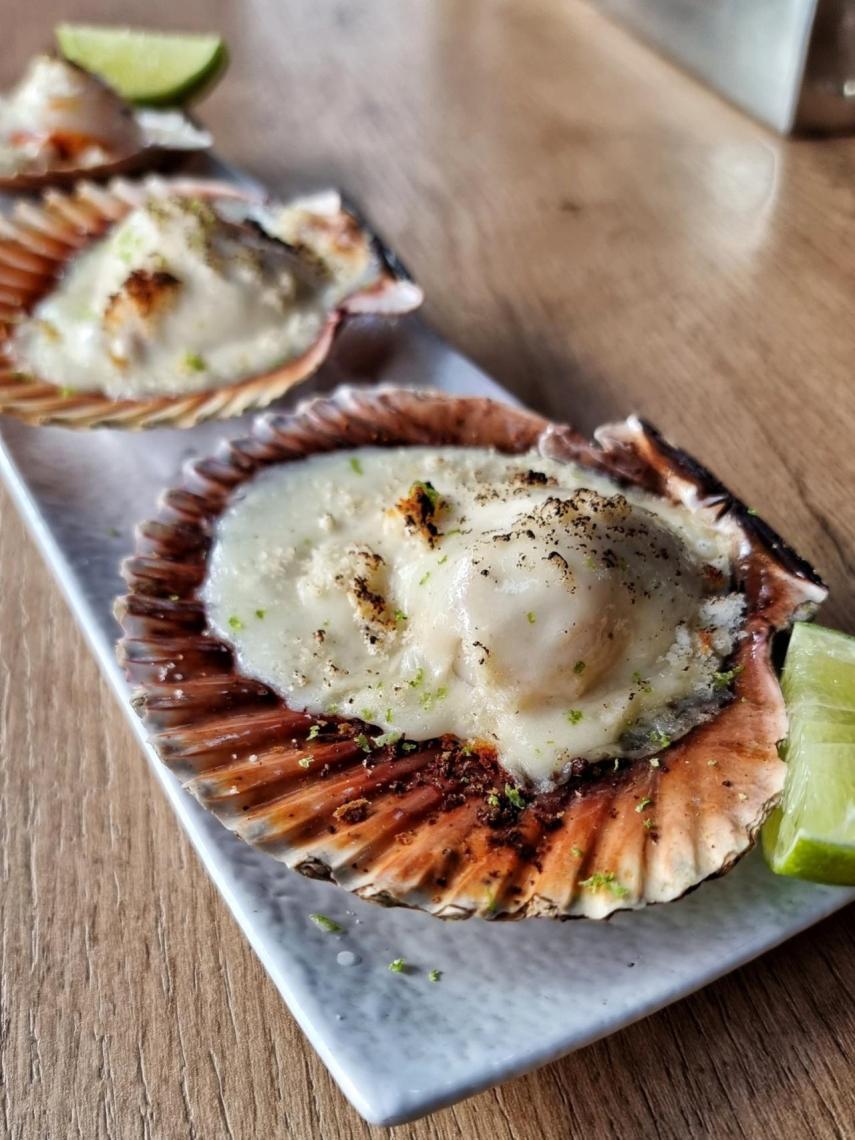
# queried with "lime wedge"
point(145, 67)
point(812, 834)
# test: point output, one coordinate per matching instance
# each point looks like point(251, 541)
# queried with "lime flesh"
point(812, 834)
point(154, 68)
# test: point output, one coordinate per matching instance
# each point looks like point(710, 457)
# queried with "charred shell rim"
point(401, 827)
point(39, 239)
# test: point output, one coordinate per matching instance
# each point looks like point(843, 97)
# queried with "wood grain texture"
point(601, 235)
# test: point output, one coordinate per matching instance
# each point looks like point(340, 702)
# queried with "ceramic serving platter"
point(510, 996)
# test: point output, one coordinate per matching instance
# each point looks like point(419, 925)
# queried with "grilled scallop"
point(454, 657)
point(61, 123)
point(172, 301)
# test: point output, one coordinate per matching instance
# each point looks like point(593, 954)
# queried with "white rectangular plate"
point(512, 996)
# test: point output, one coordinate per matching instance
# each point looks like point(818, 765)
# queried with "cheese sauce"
point(184, 296)
point(516, 601)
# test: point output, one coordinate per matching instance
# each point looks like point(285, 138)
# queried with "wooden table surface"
point(601, 235)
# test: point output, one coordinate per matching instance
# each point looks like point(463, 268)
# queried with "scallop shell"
point(397, 828)
point(166, 137)
point(38, 240)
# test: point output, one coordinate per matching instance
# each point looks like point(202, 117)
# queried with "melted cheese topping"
point(184, 296)
point(59, 115)
point(516, 601)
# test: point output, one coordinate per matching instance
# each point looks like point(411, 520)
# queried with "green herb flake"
point(193, 362)
point(751, 511)
point(450, 533)
point(428, 490)
point(493, 799)
point(260, 614)
point(443, 560)
point(306, 761)
point(417, 679)
point(356, 465)
point(397, 966)
point(367, 714)
point(65, 391)
point(722, 680)
point(575, 715)
point(399, 615)
point(653, 761)
point(326, 924)
point(642, 804)
point(314, 732)
point(659, 738)
point(235, 622)
point(364, 742)
point(514, 797)
point(387, 738)
point(579, 667)
point(424, 577)
point(434, 975)
point(607, 880)
point(647, 824)
point(643, 684)
point(577, 852)
point(408, 746)
point(531, 616)
point(389, 715)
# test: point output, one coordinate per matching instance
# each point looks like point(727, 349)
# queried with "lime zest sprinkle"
point(723, 679)
point(387, 738)
point(356, 465)
point(328, 925)
point(642, 682)
point(235, 622)
point(531, 616)
point(608, 879)
point(364, 742)
point(428, 490)
point(514, 797)
point(397, 965)
point(575, 715)
point(424, 577)
point(193, 362)
point(434, 975)
point(659, 738)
